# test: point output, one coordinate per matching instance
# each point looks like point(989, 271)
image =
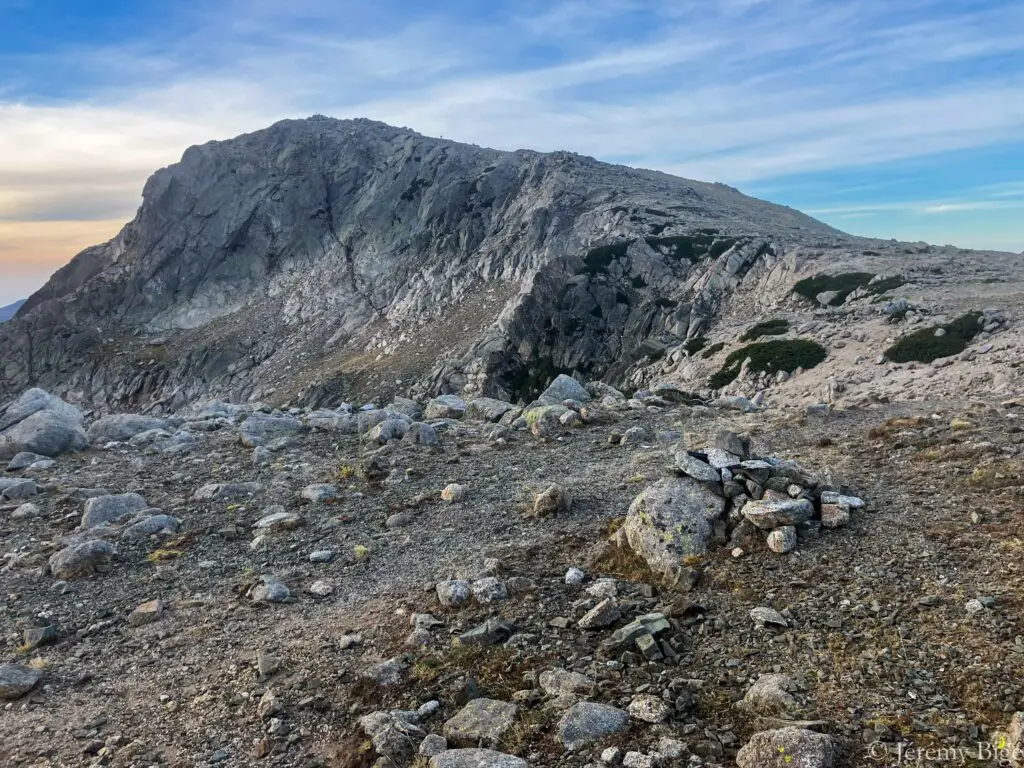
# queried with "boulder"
point(445, 407)
point(24, 460)
point(481, 722)
point(33, 401)
point(670, 525)
point(82, 559)
point(476, 758)
point(45, 432)
point(564, 388)
point(786, 748)
point(262, 428)
point(120, 427)
point(488, 409)
point(770, 696)
point(587, 722)
point(16, 680)
point(104, 509)
point(419, 433)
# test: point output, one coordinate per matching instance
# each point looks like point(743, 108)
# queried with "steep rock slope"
point(319, 259)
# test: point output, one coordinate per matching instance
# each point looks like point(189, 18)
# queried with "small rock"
point(489, 590)
point(574, 577)
point(782, 540)
point(271, 590)
point(763, 616)
point(551, 501)
point(146, 613)
point(604, 614)
point(787, 747)
point(453, 593)
point(649, 709)
point(453, 492)
point(482, 722)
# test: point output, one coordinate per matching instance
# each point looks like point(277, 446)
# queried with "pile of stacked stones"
point(724, 494)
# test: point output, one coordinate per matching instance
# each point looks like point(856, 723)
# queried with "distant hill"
point(6, 313)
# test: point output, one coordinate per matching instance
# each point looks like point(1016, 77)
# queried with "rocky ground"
point(301, 590)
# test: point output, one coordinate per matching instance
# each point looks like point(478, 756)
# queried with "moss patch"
point(775, 327)
point(923, 346)
point(770, 357)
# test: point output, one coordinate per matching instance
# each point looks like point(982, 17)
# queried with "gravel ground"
point(882, 645)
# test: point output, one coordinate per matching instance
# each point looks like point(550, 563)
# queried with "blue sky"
point(897, 118)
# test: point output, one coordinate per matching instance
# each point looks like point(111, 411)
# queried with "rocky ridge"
point(321, 261)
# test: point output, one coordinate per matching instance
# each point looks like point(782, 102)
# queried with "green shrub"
point(770, 356)
point(695, 345)
point(845, 283)
point(923, 346)
point(713, 350)
point(775, 327)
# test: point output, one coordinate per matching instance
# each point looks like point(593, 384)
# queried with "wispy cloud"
point(741, 91)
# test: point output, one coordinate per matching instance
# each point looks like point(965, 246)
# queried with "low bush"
point(845, 284)
point(775, 327)
point(713, 350)
point(770, 357)
point(695, 345)
point(924, 346)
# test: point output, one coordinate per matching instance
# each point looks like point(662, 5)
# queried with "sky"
point(887, 118)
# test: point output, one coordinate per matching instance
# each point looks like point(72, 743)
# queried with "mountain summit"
point(319, 259)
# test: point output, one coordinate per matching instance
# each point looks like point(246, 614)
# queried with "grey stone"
point(389, 429)
point(445, 407)
point(270, 590)
point(551, 501)
point(476, 758)
point(488, 409)
point(453, 593)
point(670, 525)
point(276, 518)
point(261, 428)
point(105, 509)
point(561, 682)
point(489, 590)
point(763, 616)
point(730, 442)
point(150, 525)
point(16, 680)
point(587, 722)
point(419, 433)
point(434, 744)
point(226, 491)
point(696, 468)
point(649, 709)
point(120, 427)
point(24, 460)
point(769, 695)
point(320, 492)
point(769, 515)
point(45, 432)
point(604, 614)
point(82, 559)
point(787, 747)
point(492, 632)
point(564, 388)
point(782, 540)
point(481, 723)
point(16, 488)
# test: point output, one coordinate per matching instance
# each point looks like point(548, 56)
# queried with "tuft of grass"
point(159, 555)
point(923, 346)
point(774, 327)
point(890, 426)
point(770, 357)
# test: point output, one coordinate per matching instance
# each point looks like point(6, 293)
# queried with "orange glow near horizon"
point(37, 247)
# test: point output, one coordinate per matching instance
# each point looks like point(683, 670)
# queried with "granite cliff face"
point(320, 259)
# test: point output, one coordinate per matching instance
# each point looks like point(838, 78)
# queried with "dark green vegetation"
point(599, 259)
point(705, 243)
point(775, 327)
point(770, 356)
point(713, 350)
point(845, 284)
point(695, 345)
point(923, 346)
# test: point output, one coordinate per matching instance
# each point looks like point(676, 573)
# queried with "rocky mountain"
point(321, 261)
point(6, 313)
